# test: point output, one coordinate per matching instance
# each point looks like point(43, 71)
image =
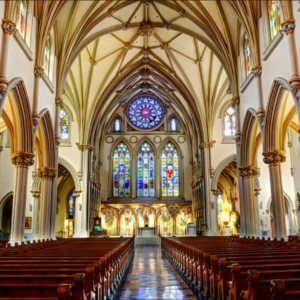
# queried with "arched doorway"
point(6, 217)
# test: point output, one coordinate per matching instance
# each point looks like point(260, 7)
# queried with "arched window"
point(229, 122)
point(71, 204)
point(64, 125)
point(248, 59)
point(22, 17)
point(274, 17)
point(47, 56)
point(117, 125)
point(170, 171)
point(145, 171)
point(174, 124)
point(121, 171)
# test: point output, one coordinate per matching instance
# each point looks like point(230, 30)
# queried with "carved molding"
point(248, 171)
point(235, 101)
point(3, 91)
point(38, 72)
point(257, 71)
point(22, 159)
point(47, 173)
point(84, 147)
point(36, 194)
point(9, 27)
point(146, 29)
point(274, 158)
point(59, 102)
point(207, 145)
point(288, 26)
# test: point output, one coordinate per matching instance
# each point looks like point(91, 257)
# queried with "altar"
point(147, 231)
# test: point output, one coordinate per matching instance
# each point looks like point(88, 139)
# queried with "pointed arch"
point(118, 141)
point(249, 143)
point(231, 158)
point(141, 141)
point(272, 137)
point(72, 171)
point(165, 141)
point(46, 140)
point(21, 129)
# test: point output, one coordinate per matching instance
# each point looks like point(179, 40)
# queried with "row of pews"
point(237, 268)
point(78, 269)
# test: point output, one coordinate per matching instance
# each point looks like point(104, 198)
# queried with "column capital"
point(257, 71)
point(295, 86)
point(288, 26)
point(47, 173)
point(59, 102)
point(36, 194)
point(235, 101)
point(3, 92)
point(206, 145)
point(38, 72)
point(9, 27)
point(248, 171)
point(84, 147)
point(215, 192)
point(274, 157)
point(22, 159)
point(76, 194)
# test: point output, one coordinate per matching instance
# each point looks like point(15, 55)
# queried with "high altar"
point(147, 231)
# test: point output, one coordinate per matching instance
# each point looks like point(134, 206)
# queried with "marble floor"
point(151, 276)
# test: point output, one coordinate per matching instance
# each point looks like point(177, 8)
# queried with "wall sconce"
point(80, 206)
point(30, 207)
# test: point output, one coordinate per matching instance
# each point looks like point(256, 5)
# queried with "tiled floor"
point(151, 276)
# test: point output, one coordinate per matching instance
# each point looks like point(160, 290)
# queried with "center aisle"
point(151, 276)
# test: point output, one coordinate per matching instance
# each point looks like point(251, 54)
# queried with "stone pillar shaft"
point(274, 160)
point(133, 182)
point(22, 161)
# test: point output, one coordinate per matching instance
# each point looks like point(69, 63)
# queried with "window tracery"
point(22, 17)
point(248, 59)
point(274, 17)
point(47, 56)
point(121, 171)
point(174, 124)
point(117, 125)
point(229, 122)
point(71, 204)
point(170, 171)
point(145, 171)
point(64, 125)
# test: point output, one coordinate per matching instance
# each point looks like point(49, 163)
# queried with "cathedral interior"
point(172, 120)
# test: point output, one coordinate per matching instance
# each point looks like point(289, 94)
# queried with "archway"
point(6, 216)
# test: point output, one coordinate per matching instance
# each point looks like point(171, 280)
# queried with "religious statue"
point(263, 220)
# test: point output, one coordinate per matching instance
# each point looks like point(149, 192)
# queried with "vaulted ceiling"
point(181, 51)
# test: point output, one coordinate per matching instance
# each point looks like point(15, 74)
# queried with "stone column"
point(214, 210)
point(260, 112)
point(158, 179)
point(78, 214)
point(36, 205)
point(256, 194)
point(274, 159)
point(38, 74)
point(22, 161)
point(247, 173)
point(133, 181)
point(47, 175)
point(9, 28)
point(288, 27)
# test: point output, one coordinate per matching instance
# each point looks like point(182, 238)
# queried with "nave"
point(151, 276)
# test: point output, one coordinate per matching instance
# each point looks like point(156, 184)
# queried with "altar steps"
point(147, 240)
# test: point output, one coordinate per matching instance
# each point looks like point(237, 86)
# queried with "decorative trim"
point(9, 27)
point(248, 171)
point(157, 139)
point(22, 159)
point(247, 82)
point(47, 173)
point(109, 139)
point(133, 139)
point(84, 147)
point(288, 26)
point(274, 158)
point(207, 145)
point(48, 83)
point(273, 44)
point(179, 139)
point(23, 45)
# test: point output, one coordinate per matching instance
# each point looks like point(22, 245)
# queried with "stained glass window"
point(21, 17)
point(64, 125)
point(145, 112)
point(117, 125)
point(170, 171)
point(47, 56)
point(145, 171)
point(229, 122)
point(274, 17)
point(121, 171)
point(248, 56)
point(174, 125)
point(71, 204)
